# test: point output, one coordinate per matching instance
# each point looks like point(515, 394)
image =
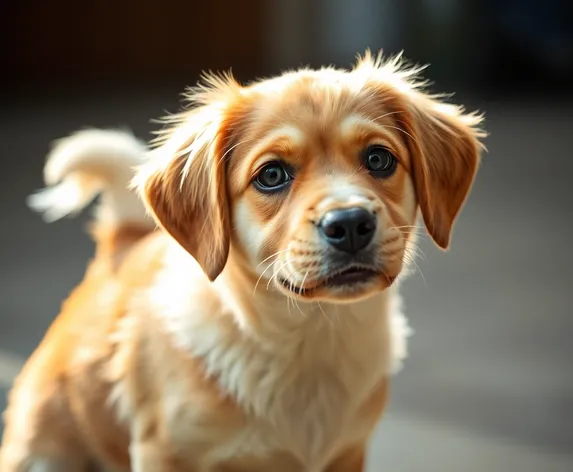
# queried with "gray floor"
point(488, 385)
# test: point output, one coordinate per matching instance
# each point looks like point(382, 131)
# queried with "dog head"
point(315, 178)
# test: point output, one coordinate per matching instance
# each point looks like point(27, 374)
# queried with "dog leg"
point(40, 435)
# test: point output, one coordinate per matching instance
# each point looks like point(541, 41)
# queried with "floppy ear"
point(444, 142)
point(184, 187)
point(445, 151)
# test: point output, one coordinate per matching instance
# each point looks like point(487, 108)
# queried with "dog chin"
point(348, 288)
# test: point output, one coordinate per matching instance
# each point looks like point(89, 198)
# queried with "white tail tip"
point(64, 199)
point(85, 164)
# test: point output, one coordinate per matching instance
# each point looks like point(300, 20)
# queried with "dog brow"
point(351, 124)
point(282, 139)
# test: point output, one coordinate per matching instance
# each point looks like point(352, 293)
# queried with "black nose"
point(349, 229)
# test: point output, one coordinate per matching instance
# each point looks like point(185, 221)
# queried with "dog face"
point(316, 178)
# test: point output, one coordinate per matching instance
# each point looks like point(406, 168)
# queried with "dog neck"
point(236, 307)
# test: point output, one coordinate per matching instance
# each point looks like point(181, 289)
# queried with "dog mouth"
point(350, 277)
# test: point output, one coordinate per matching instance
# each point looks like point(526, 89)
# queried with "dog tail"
point(87, 164)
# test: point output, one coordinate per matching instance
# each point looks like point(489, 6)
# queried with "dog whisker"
point(259, 279)
point(276, 273)
point(403, 131)
point(416, 249)
point(304, 278)
point(264, 271)
point(272, 255)
point(302, 285)
point(384, 115)
point(409, 259)
point(245, 141)
point(407, 227)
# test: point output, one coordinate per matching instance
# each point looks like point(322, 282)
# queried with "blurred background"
point(489, 382)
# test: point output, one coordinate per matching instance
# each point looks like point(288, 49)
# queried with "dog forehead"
point(299, 124)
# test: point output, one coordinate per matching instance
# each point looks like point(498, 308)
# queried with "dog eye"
point(272, 177)
point(379, 161)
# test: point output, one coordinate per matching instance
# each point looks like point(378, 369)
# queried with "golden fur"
point(217, 343)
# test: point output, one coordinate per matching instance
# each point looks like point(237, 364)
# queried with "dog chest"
point(303, 407)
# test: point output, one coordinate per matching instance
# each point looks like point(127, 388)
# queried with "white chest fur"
point(300, 375)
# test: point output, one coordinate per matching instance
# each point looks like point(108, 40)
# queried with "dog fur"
point(216, 343)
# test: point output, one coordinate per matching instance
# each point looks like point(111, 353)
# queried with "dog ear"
point(444, 142)
point(184, 183)
point(445, 150)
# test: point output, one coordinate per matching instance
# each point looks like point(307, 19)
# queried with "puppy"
point(257, 329)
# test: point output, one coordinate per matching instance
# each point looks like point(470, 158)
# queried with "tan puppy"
point(257, 330)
